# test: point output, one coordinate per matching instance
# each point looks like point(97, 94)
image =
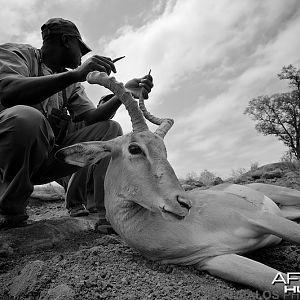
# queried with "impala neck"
point(126, 216)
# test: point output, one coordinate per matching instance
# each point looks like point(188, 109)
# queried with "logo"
point(291, 283)
point(289, 287)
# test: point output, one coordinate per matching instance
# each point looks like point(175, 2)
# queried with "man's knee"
point(23, 115)
point(115, 127)
point(23, 121)
point(107, 129)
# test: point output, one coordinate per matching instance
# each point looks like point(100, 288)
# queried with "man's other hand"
point(138, 85)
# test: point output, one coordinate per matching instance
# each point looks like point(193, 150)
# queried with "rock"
point(48, 192)
point(26, 281)
point(187, 187)
point(243, 180)
point(257, 174)
point(5, 250)
point(191, 184)
point(282, 173)
point(47, 233)
point(217, 181)
point(60, 292)
point(109, 239)
point(195, 183)
point(277, 173)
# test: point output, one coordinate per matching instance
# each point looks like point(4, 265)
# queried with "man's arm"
point(19, 90)
point(103, 112)
point(16, 89)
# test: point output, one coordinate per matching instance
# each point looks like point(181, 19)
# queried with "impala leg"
point(248, 272)
point(287, 199)
point(290, 212)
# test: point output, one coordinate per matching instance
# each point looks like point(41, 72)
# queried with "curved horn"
point(137, 119)
point(164, 124)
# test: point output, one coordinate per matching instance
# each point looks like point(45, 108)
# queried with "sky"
point(208, 59)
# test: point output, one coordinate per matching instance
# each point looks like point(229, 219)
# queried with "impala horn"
point(164, 124)
point(137, 118)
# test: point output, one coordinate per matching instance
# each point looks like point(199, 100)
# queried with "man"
point(90, 198)
point(37, 88)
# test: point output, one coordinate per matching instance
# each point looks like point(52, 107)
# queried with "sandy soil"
point(64, 258)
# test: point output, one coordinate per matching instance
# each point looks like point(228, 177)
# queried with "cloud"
point(208, 59)
point(192, 35)
point(13, 24)
point(21, 19)
point(216, 56)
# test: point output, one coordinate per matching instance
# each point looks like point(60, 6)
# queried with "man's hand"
point(95, 63)
point(138, 85)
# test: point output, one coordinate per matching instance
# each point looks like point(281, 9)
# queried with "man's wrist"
point(73, 77)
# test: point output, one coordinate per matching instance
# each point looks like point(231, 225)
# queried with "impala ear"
point(86, 153)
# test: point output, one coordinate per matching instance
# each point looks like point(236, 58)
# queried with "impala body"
point(149, 209)
point(147, 206)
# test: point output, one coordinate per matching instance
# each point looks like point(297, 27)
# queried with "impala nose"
point(183, 202)
point(175, 207)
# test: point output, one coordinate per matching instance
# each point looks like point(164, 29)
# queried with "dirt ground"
point(63, 258)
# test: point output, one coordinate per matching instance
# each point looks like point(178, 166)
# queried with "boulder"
point(26, 281)
point(48, 192)
point(60, 292)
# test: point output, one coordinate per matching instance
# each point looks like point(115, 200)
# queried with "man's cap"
point(62, 26)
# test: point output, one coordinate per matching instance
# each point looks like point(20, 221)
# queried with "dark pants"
point(27, 155)
point(86, 186)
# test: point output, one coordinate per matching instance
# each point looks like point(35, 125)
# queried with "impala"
point(209, 229)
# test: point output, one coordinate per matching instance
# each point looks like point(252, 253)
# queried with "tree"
point(279, 114)
point(207, 177)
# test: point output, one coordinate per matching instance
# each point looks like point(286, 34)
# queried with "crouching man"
point(40, 94)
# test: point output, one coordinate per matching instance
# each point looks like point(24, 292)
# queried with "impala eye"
point(135, 149)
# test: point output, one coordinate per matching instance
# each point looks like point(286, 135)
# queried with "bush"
point(236, 174)
point(205, 178)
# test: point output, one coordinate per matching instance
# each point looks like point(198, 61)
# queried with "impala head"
point(139, 170)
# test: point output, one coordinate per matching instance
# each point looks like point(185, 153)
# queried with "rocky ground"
point(63, 258)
